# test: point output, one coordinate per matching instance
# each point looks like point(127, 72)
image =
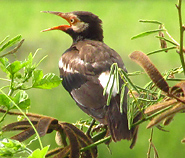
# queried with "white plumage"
point(104, 78)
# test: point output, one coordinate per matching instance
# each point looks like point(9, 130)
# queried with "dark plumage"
point(85, 68)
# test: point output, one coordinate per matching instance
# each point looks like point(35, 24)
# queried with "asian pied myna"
point(85, 69)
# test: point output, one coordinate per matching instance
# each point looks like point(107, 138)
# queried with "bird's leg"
point(90, 127)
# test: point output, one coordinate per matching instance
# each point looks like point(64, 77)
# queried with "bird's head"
point(82, 25)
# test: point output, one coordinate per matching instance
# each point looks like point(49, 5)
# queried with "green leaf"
point(122, 97)
point(47, 81)
point(21, 99)
point(163, 38)
point(37, 76)
point(11, 68)
point(4, 40)
point(11, 42)
point(112, 81)
point(4, 63)
point(151, 22)
point(4, 101)
point(147, 33)
point(39, 153)
point(29, 68)
point(14, 67)
point(30, 60)
point(162, 50)
point(125, 75)
point(9, 147)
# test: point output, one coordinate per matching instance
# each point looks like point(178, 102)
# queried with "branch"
point(14, 50)
point(179, 6)
point(96, 143)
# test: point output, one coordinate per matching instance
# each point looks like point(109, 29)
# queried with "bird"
point(85, 70)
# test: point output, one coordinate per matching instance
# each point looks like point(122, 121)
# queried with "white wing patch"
point(104, 78)
point(60, 64)
point(67, 68)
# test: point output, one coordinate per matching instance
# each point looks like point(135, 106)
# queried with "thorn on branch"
point(183, 27)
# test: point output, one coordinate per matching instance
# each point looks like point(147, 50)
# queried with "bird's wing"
point(85, 71)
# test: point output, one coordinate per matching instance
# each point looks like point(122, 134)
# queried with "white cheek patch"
point(79, 26)
point(104, 78)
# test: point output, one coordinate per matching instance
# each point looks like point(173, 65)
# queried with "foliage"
point(39, 153)
point(21, 76)
point(10, 147)
point(156, 101)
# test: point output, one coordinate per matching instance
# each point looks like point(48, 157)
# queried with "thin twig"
point(41, 146)
point(3, 117)
point(146, 118)
point(96, 143)
point(155, 150)
point(14, 50)
point(90, 127)
point(175, 42)
point(179, 6)
point(19, 113)
point(150, 146)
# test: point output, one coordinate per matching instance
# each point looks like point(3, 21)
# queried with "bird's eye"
point(72, 20)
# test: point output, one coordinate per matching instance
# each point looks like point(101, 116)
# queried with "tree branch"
point(179, 6)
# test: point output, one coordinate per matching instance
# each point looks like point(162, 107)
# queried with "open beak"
point(61, 27)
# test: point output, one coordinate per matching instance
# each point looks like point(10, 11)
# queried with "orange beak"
point(61, 27)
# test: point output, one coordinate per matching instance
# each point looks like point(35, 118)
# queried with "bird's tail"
point(118, 124)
